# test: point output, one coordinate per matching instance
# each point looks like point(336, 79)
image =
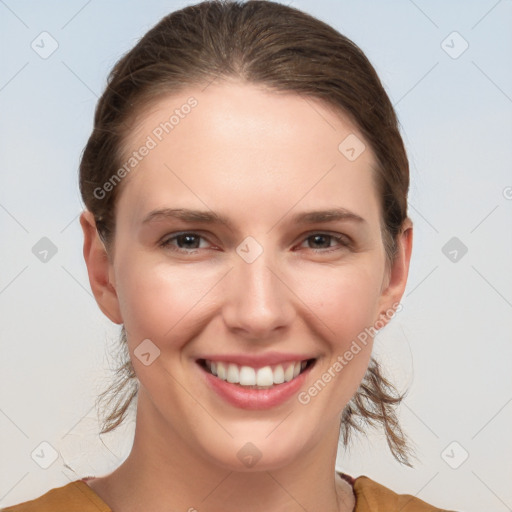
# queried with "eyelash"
point(166, 242)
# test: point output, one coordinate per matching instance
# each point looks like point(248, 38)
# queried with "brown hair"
point(281, 48)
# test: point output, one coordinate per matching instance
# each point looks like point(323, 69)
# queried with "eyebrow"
point(210, 217)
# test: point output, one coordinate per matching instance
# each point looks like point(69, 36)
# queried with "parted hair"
point(281, 48)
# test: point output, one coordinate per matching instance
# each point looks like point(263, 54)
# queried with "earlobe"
point(99, 269)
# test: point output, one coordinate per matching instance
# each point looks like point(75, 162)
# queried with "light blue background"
point(451, 343)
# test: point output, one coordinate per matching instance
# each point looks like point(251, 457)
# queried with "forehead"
point(250, 144)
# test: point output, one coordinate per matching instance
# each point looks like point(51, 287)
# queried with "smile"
point(256, 378)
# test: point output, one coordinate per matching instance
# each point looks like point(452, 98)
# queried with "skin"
point(258, 158)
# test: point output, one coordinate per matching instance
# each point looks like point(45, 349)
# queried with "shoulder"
point(374, 497)
point(76, 496)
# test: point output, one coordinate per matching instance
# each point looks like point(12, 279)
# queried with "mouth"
point(262, 378)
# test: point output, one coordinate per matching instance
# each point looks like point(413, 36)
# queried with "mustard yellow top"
point(77, 496)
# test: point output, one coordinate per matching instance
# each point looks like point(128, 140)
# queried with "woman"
point(246, 223)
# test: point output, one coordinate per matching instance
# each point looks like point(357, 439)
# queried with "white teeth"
point(221, 371)
point(288, 373)
point(247, 376)
point(263, 377)
point(233, 374)
point(278, 374)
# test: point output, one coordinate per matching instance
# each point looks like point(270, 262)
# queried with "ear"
point(100, 269)
point(395, 280)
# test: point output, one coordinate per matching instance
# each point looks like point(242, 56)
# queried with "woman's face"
point(270, 285)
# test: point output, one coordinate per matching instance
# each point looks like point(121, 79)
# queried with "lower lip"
point(247, 398)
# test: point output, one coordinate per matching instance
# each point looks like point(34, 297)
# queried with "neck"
point(162, 473)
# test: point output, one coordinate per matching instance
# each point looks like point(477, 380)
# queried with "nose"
point(259, 301)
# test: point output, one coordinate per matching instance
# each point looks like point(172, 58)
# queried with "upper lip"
point(257, 360)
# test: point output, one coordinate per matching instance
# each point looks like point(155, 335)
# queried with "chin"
point(255, 453)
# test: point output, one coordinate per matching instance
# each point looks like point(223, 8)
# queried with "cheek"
point(345, 299)
point(157, 299)
point(345, 303)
